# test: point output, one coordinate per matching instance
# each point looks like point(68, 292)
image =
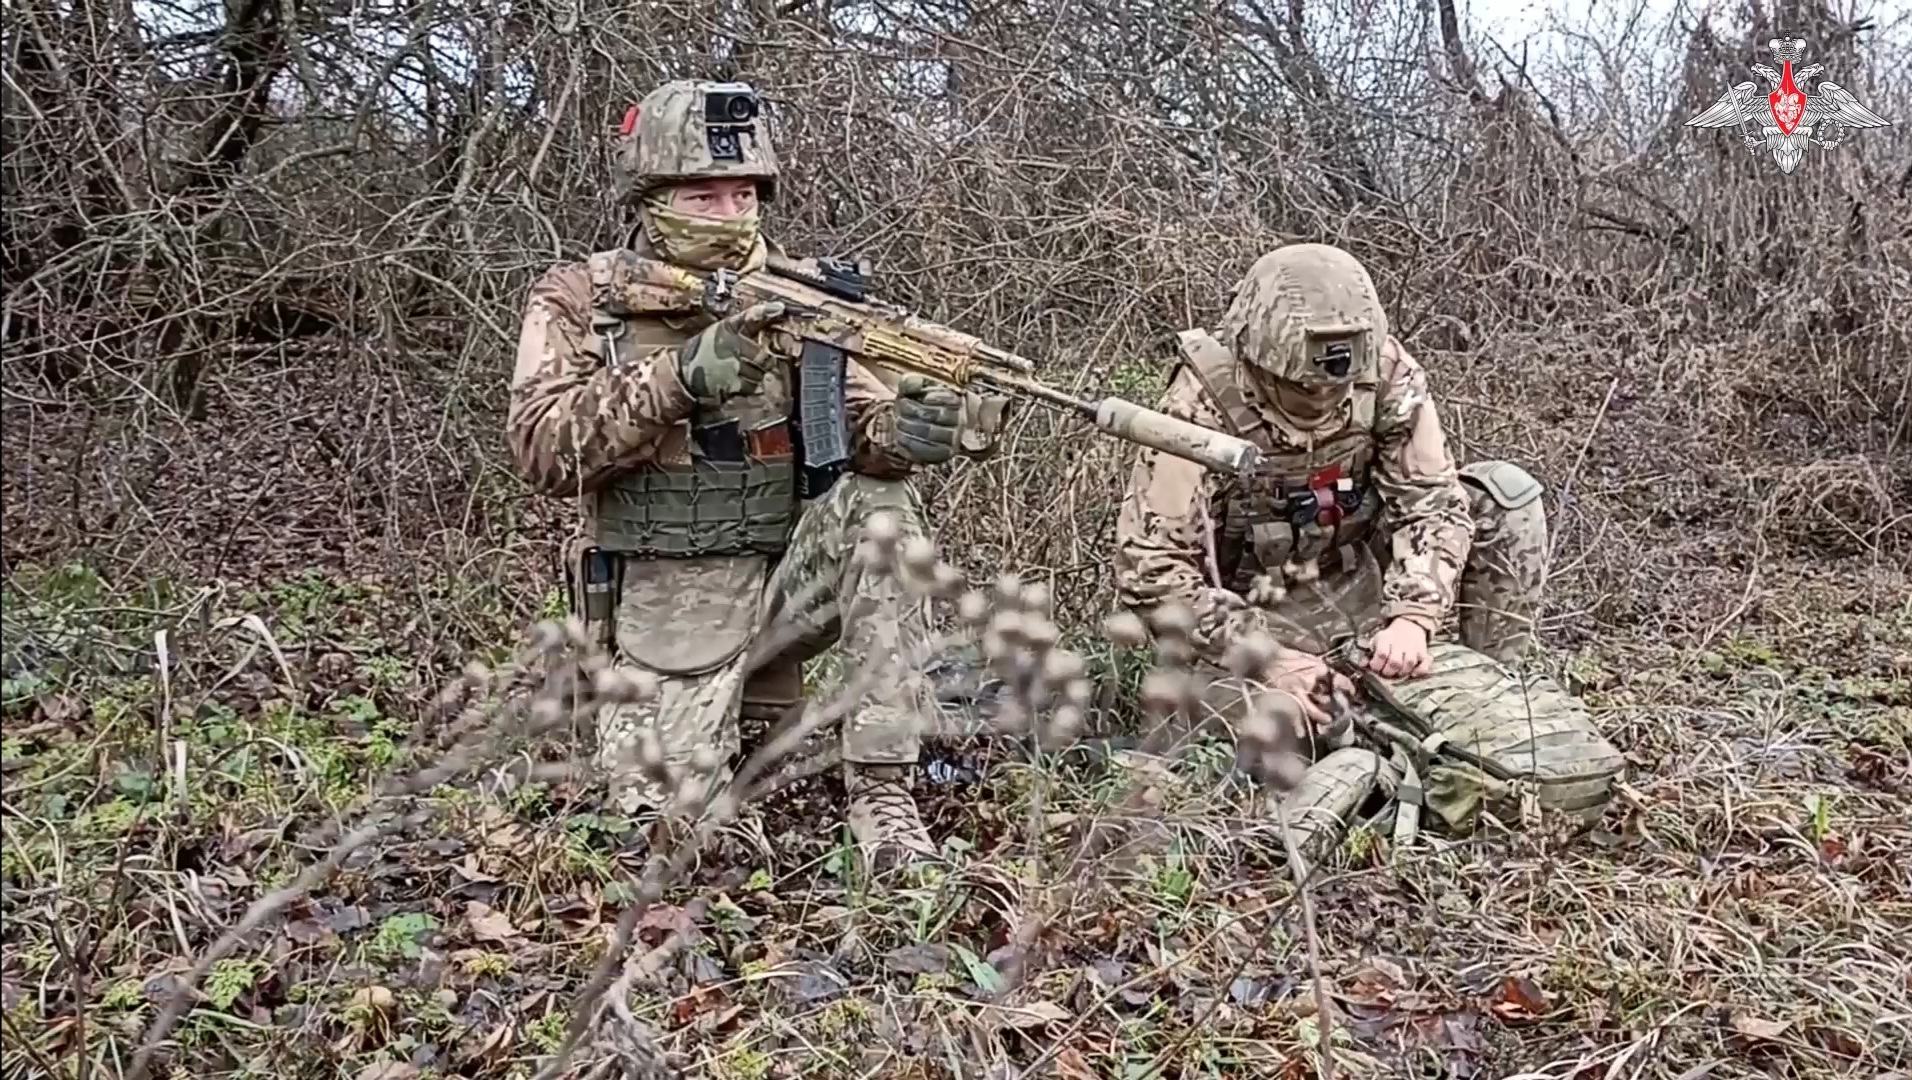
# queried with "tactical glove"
point(983, 417)
point(1295, 668)
point(726, 360)
point(1312, 683)
point(928, 419)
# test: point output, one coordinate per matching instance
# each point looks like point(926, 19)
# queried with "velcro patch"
point(1335, 356)
point(769, 444)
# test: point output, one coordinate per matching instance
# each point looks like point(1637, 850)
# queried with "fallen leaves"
point(1070, 1065)
point(487, 924)
point(371, 1020)
point(306, 932)
point(663, 920)
point(1832, 848)
point(1027, 1016)
point(59, 709)
point(706, 1009)
point(492, 1049)
point(1376, 982)
point(583, 907)
point(501, 831)
point(472, 872)
point(918, 959)
point(1520, 1001)
point(1838, 1041)
point(1758, 1028)
point(1380, 983)
point(347, 919)
point(805, 983)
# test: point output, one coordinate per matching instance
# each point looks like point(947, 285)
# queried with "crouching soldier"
point(1357, 533)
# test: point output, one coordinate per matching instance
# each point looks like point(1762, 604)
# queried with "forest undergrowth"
point(269, 575)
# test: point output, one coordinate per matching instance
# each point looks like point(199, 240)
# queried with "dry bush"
point(263, 267)
point(263, 263)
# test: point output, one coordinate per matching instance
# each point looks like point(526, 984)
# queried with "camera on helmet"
point(729, 111)
point(1330, 347)
point(730, 106)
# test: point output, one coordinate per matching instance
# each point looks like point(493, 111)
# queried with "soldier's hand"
point(1400, 651)
point(729, 358)
point(983, 417)
point(1310, 681)
point(928, 420)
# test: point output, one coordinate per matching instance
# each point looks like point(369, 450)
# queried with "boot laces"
point(888, 799)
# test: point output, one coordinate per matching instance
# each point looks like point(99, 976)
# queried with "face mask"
point(701, 243)
point(1302, 404)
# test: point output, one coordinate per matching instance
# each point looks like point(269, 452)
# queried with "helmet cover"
point(1309, 315)
point(688, 130)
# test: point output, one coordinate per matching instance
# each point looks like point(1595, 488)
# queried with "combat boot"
point(884, 820)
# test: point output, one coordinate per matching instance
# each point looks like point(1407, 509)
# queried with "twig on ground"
point(1579, 459)
point(1324, 1008)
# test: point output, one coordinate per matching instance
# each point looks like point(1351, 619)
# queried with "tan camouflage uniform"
point(1357, 515)
point(601, 408)
point(1407, 531)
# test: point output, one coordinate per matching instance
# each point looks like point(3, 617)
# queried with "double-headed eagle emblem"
point(1787, 120)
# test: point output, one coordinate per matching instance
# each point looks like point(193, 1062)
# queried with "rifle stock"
point(835, 318)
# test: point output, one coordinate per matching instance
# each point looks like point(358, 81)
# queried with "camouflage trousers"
point(817, 595)
point(1500, 587)
point(1500, 591)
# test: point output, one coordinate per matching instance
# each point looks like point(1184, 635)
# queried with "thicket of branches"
point(263, 260)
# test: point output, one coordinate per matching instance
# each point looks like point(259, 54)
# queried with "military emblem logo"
point(1787, 120)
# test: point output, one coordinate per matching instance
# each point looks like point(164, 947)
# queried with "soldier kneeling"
point(701, 526)
point(1357, 526)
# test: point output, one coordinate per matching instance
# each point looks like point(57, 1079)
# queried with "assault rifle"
point(834, 317)
point(1387, 722)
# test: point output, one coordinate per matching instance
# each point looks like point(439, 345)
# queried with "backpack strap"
point(1215, 369)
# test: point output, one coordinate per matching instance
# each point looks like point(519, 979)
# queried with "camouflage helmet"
point(1308, 314)
point(690, 130)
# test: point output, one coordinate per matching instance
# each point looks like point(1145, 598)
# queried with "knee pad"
point(1507, 483)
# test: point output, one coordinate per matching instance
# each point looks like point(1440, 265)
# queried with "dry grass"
point(1737, 909)
point(262, 263)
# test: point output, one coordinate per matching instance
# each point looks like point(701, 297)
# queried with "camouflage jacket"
point(1172, 512)
point(575, 421)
